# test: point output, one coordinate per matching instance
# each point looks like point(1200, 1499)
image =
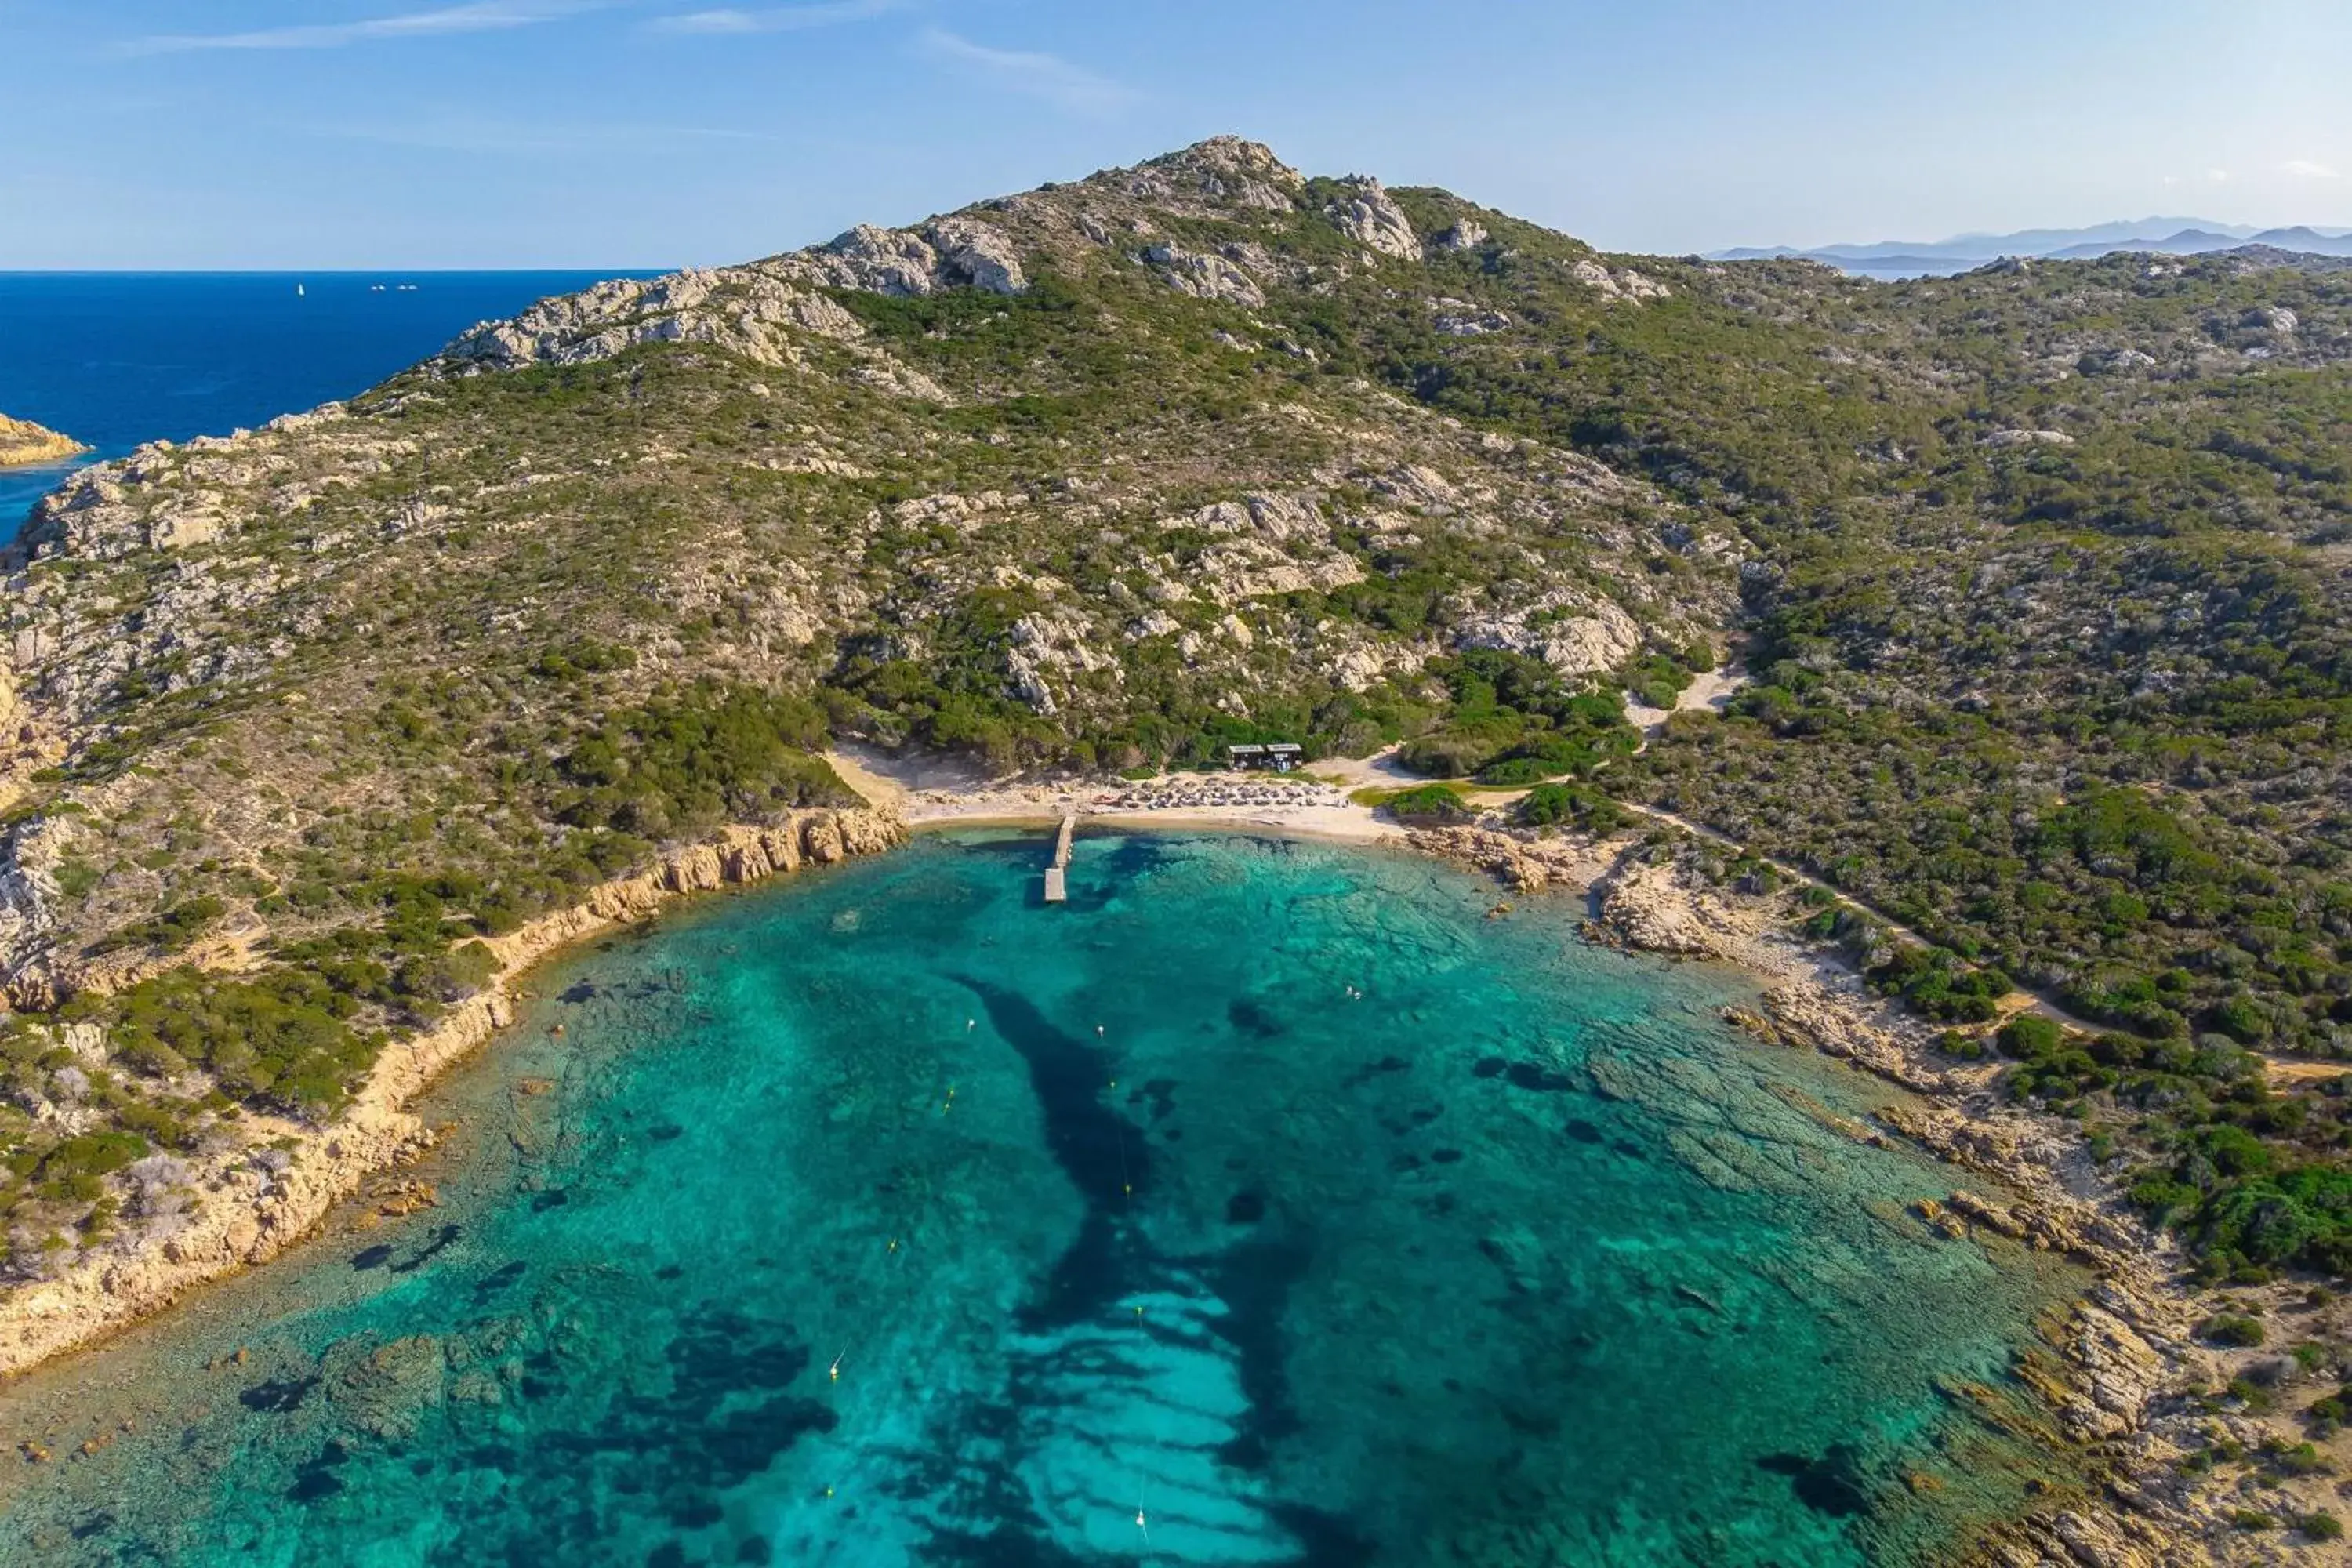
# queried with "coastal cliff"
point(247, 1207)
point(23, 442)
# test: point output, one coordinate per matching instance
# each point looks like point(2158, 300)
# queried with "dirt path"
point(2282, 1069)
point(1710, 692)
point(2038, 1001)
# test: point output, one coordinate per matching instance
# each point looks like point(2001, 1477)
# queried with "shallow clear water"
point(887, 1216)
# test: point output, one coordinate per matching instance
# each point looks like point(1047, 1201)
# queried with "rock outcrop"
point(1575, 633)
point(757, 311)
point(1622, 285)
point(23, 442)
point(1466, 233)
point(1205, 274)
point(1369, 217)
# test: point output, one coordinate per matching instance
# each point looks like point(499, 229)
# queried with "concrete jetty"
point(1058, 889)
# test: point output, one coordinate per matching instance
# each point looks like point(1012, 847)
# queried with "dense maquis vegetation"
point(1512, 720)
point(2039, 575)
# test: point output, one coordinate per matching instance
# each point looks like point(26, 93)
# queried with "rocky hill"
point(23, 442)
point(2040, 571)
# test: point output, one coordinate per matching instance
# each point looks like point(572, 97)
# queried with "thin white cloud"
point(483, 16)
point(1049, 77)
point(2308, 169)
point(776, 19)
point(2218, 176)
point(468, 132)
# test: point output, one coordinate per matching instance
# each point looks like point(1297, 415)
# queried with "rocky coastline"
point(256, 1206)
point(2126, 1367)
point(2130, 1377)
point(24, 444)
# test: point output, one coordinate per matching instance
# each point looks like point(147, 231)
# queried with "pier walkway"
point(1057, 890)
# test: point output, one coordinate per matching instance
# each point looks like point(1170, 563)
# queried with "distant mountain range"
point(2160, 235)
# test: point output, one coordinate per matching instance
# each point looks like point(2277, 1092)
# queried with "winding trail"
point(2281, 1069)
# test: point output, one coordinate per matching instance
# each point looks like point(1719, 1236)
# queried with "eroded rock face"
point(980, 255)
point(754, 311)
point(880, 261)
point(1222, 171)
point(1456, 319)
point(1623, 285)
point(1373, 220)
point(1467, 234)
point(1203, 275)
point(1644, 906)
point(757, 311)
point(1600, 637)
point(22, 442)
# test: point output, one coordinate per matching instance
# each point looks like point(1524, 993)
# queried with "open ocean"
point(114, 359)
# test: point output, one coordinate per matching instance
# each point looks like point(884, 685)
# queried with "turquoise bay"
point(1267, 1204)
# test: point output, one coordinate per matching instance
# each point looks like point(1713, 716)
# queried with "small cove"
point(1268, 1190)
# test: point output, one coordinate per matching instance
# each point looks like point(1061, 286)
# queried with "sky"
point(638, 133)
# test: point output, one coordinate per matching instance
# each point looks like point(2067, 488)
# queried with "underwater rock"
point(1833, 1484)
point(1518, 1254)
point(385, 1389)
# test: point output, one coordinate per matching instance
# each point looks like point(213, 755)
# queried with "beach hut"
point(1280, 756)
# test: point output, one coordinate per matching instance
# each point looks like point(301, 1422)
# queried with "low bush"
point(1429, 806)
point(2227, 1329)
point(1548, 805)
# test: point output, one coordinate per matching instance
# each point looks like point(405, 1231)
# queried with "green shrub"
point(172, 931)
point(277, 1038)
point(1429, 804)
point(683, 765)
point(1514, 771)
point(91, 1155)
point(2296, 1459)
point(2031, 1037)
point(2227, 1329)
point(1548, 805)
point(1938, 984)
point(451, 976)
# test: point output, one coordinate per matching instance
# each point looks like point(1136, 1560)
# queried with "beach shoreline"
point(2128, 1348)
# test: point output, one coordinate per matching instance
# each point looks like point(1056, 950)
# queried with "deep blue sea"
point(1268, 1202)
point(114, 359)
